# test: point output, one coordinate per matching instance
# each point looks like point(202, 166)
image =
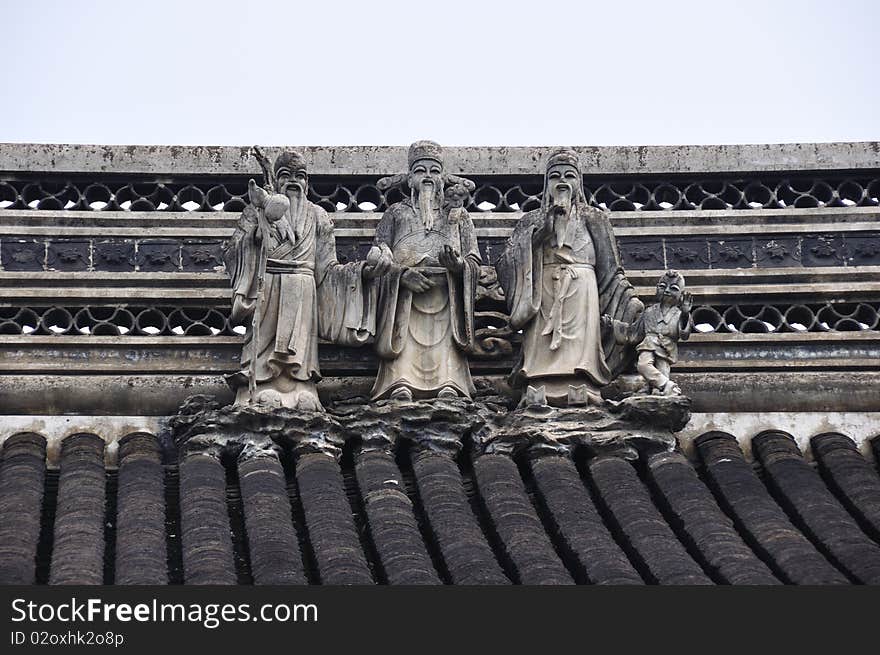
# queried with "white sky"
point(463, 73)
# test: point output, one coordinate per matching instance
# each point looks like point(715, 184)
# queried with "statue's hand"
point(606, 323)
point(379, 262)
point(415, 281)
point(687, 302)
point(450, 260)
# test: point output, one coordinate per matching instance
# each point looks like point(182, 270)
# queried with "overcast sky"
point(542, 72)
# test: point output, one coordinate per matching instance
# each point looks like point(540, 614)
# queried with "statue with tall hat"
point(288, 289)
point(561, 271)
point(425, 316)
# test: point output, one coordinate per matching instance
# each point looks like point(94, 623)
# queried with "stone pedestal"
point(622, 428)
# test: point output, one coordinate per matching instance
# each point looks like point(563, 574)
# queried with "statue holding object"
point(289, 289)
point(425, 312)
point(583, 328)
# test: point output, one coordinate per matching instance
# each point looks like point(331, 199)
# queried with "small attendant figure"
point(656, 333)
point(455, 197)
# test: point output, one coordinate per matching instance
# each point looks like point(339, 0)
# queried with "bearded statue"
point(561, 272)
point(288, 289)
point(425, 316)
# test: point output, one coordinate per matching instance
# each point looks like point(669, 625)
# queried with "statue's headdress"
point(564, 156)
point(289, 160)
point(672, 276)
point(424, 150)
point(569, 157)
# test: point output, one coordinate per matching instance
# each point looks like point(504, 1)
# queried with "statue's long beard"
point(560, 208)
point(560, 201)
point(297, 207)
point(427, 200)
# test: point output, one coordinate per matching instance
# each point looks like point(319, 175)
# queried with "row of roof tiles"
point(421, 517)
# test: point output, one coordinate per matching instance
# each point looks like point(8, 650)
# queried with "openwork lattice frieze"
point(492, 323)
point(116, 320)
point(496, 194)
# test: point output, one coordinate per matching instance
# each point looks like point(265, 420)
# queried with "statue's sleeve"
point(346, 302)
point(463, 290)
point(617, 298)
point(394, 301)
point(519, 271)
point(240, 255)
point(630, 334)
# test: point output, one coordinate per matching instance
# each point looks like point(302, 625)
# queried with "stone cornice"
point(383, 160)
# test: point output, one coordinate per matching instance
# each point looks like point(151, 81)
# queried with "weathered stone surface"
point(425, 313)
point(660, 412)
point(437, 424)
point(124, 309)
point(561, 272)
point(383, 160)
point(288, 288)
point(40, 401)
point(655, 333)
point(622, 428)
point(60, 241)
point(203, 424)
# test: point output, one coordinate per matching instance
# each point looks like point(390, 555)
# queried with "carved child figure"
point(656, 333)
point(455, 197)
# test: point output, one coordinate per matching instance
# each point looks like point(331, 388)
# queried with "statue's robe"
point(556, 292)
point(422, 339)
point(307, 294)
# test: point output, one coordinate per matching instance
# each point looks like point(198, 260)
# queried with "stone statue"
point(424, 325)
point(655, 334)
point(289, 289)
point(560, 271)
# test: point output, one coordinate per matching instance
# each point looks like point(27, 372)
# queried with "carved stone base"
point(202, 424)
point(437, 424)
point(293, 394)
point(669, 412)
point(622, 428)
